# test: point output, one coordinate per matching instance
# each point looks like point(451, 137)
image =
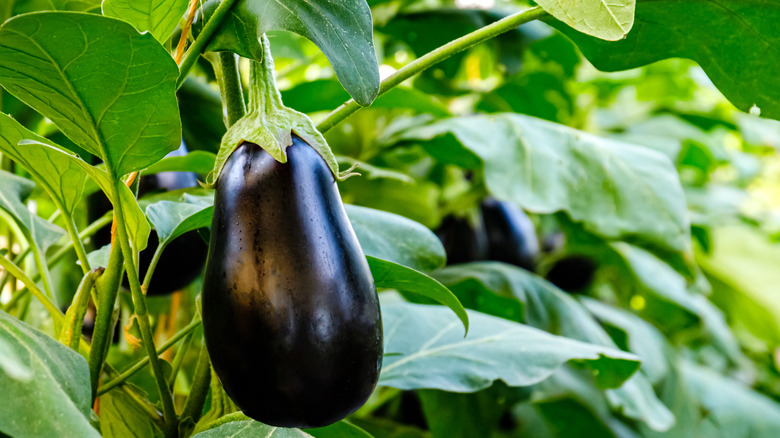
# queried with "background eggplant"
point(183, 258)
point(502, 232)
point(510, 233)
point(290, 311)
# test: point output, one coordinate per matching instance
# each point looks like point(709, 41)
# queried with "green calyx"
point(270, 124)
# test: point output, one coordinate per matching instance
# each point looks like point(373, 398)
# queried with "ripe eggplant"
point(503, 233)
point(511, 235)
point(573, 273)
point(290, 311)
point(463, 241)
point(183, 258)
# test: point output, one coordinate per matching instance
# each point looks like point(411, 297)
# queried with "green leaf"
point(14, 190)
point(342, 30)
point(200, 162)
point(62, 179)
point(667, 293)
point(25, 6)
point(391, 275)
point(455, 415)
point(731, 405)
point(99, 257)
point(743, 265)
point(606, 20)
point(741, 67)
point(121, 417)
point(424, 348)
point(251, 429)
point(11, 364)
point(108, 88)
point(639, 337)
point(548, 308)
point(138, 227)
point(330, 95)
point(160, 17)
point(172, 219)
point(617, 190)
point(55, 401)
point(342, 429)
point(395, 238)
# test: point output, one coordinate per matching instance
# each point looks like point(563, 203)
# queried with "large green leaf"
point(607, 20)
point(425, 348)
point(391, 275)
point(172, 219)
point(743, 264)
point(341, 29)
point(395, 238)
point(667, 294)
point(638, 336)
point(24, 6)
point(53, 400)
point(734, 41)
point(108, 88)
point(160, 17)
point(62, 179)
point(14, 190)
point(734, 409)
point(120, 417)
point(252, 429)
point(617, 190)
point(548, 308)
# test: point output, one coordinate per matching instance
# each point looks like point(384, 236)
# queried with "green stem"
point(152, 267)
point(203, 39)
point(201, 380)
point(108, 386)
point(139, 303)
point(108, 285)
point(435, 56)
point(74, 317)
point(264, 95)
point(178, 359)
point(14, 270)
point(229, 79)
point(43, 270)
point(78, 245)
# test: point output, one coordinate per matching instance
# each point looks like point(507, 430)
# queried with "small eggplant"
point(290, 311)
point(511, 235)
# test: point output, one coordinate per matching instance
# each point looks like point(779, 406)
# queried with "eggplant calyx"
point(269, 124)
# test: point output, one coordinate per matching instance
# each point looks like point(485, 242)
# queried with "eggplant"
point(573, 273)
point(463, 240)
point(510, 233)
point(502, 233)
point(183, 258)
point(290, 310)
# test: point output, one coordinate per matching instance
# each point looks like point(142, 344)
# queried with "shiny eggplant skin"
point(510, 233)
point(290, 311)
point(183, 258)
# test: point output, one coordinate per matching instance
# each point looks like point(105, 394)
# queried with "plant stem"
point(178, 359)
point(17, 273)
point(104, 329)
point(43, 270)
point(203, 39)
point(74, 318)
point(229, 79)
point(201, 380)
point(108, 386)
point(435, 56)
point(139, 303)
point(78, 245)
point(152, 267)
